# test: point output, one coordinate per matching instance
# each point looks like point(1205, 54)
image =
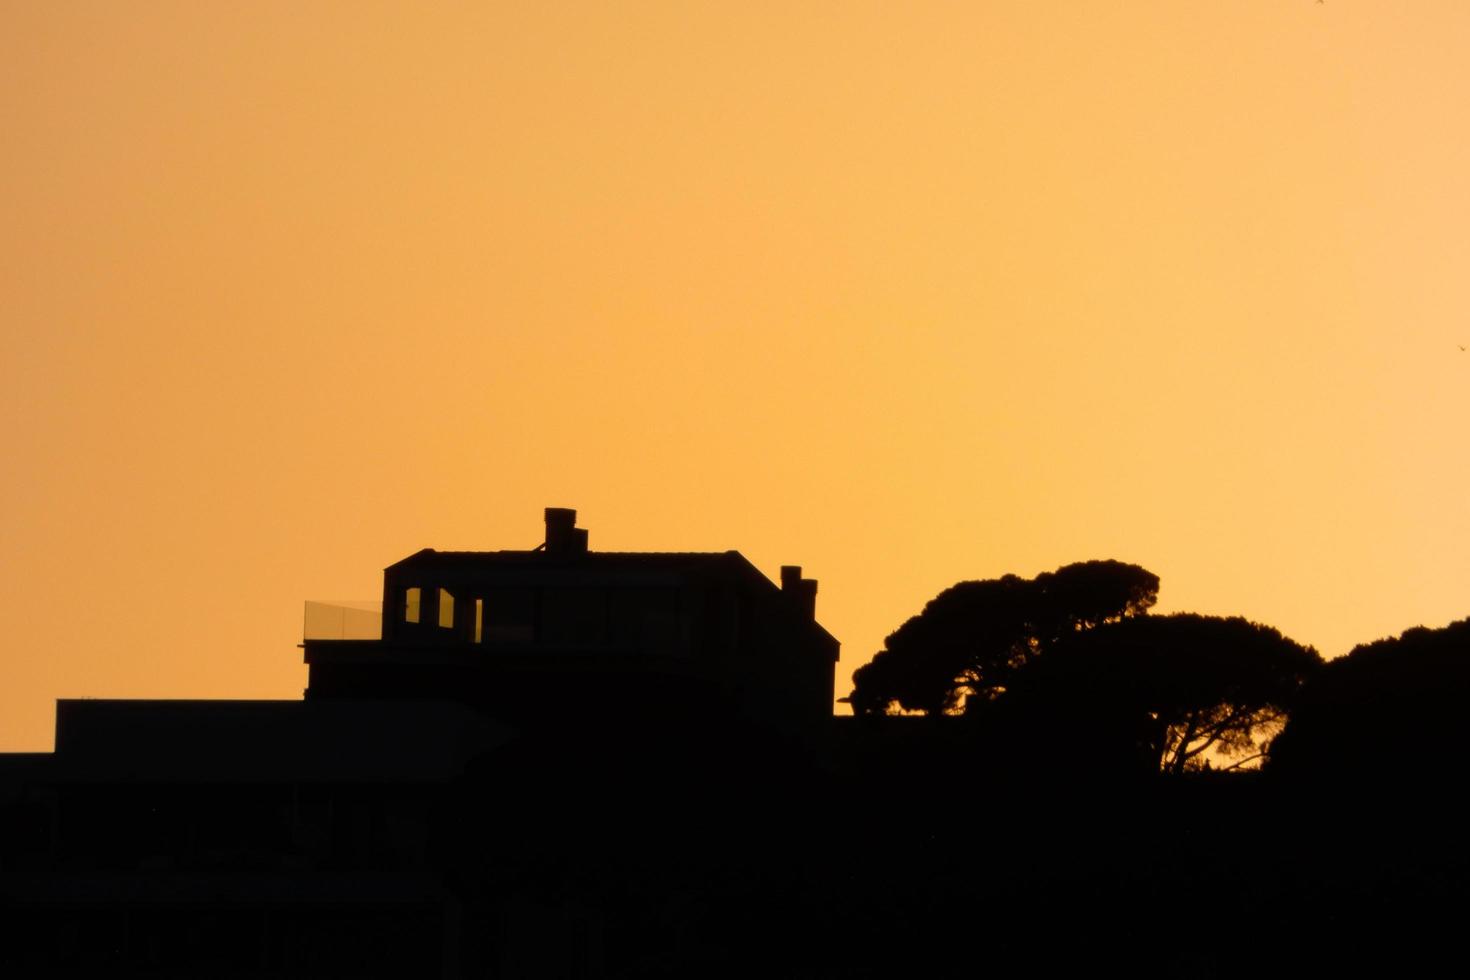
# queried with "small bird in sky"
point(1461, 346)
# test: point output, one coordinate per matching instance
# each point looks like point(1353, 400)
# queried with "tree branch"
point(1258, 755)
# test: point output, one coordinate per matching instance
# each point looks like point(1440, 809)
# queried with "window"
point(446, 609)
point(411, 599)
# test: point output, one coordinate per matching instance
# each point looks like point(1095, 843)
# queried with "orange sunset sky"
point(904, 293)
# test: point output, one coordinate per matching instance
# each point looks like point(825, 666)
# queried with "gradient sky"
point(903, 293)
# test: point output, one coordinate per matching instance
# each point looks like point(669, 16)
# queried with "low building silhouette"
point(398, 819)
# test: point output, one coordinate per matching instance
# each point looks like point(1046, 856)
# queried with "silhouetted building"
point(561, 632)
point(367, 830)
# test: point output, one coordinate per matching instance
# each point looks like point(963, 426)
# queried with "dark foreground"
point(653, 856)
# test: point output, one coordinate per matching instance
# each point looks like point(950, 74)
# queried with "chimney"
point(563, 537)
point(801, 591)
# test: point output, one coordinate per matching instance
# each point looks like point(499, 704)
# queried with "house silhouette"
point(364, 830)
point(602, 635)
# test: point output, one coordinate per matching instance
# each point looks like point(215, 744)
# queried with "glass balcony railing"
point(343, 620)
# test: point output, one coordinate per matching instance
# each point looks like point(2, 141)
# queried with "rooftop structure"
point(562, 629)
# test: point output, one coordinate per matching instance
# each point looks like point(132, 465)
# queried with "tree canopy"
point(971, 639)
point(1391, 709)
point(1179, 690)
